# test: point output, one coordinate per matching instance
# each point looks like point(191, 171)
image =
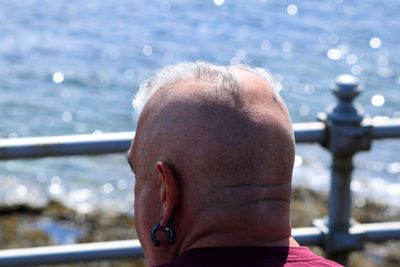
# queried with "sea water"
point(69, 67)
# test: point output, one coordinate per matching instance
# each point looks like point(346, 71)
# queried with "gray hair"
point(189, 70)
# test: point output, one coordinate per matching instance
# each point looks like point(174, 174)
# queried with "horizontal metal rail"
point(131, 249)
point(65, 145)
point(105, 143)
point(308, 236)
point(379, 232)
point(386, 128)
point(309, 132)
point(117, 250)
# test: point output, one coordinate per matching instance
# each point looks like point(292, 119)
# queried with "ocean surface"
point(72, 67)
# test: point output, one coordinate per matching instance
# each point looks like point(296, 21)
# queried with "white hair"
point(189, 70)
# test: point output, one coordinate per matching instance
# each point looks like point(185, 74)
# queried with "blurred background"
point(72, 67)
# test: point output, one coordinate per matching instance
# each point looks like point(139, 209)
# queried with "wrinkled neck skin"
point(258, 217)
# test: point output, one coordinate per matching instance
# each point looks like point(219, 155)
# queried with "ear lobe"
point(169, 191)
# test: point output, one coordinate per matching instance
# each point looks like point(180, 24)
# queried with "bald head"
point(226, 136)
point(224, 122)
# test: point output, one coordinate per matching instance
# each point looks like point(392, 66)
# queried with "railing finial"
point(346, 88)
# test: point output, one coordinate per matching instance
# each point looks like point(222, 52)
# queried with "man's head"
point(213, 156)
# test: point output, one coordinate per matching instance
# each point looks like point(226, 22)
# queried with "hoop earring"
point(168, 229)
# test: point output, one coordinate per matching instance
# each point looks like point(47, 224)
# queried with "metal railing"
point(343, 130)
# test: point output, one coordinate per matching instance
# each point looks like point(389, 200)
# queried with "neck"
point(259, 223)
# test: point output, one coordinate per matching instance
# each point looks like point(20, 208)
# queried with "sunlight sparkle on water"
point(122, 184)
point(292, 9)
point(108, 188)
point(58, 77)
point(80, 195)
point(22, 190)
point(85, 208)
point(298, 161)
point(287, 47)
point(359, 202)
point(219, 2)
point(67, 116)
point(304, 110)
point(375, 42)
point(265, 45)
point(147, 50)
point(334, 54)
point(356, 70)
point(352, 59)
point(377, 100)
point(394, 167)
point(55, 189)
point(355, 185)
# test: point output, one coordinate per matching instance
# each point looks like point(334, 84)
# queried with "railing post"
point(346, 135)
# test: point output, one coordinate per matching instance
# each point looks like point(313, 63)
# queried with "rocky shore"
point(54, 224)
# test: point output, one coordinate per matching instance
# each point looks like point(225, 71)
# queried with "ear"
point(169, 191)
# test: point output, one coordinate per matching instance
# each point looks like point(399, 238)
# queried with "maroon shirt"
point(250, 256)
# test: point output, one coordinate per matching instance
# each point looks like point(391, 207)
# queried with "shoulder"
point(303, 256)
